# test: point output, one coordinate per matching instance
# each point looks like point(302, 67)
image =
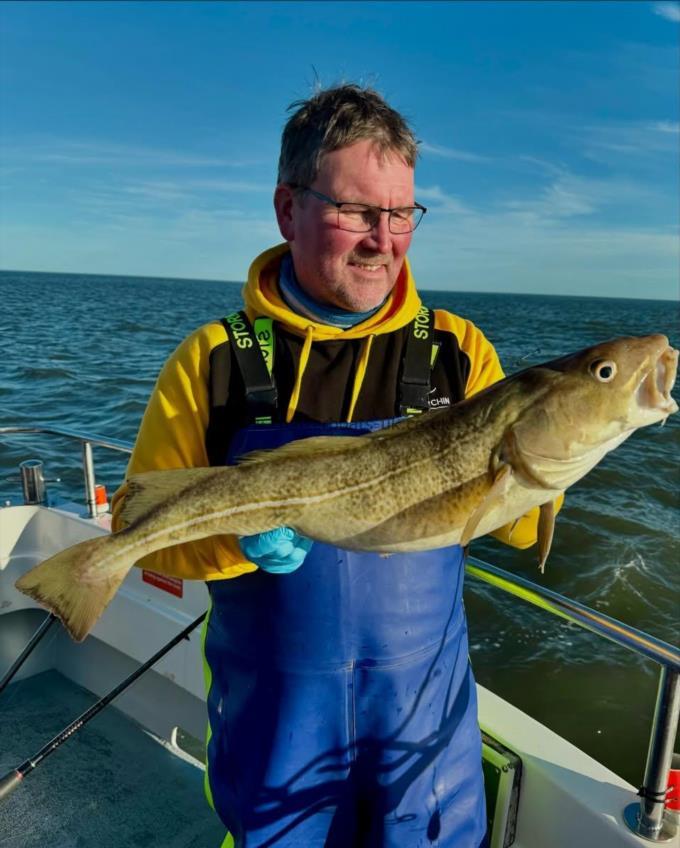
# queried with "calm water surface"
point(84, 351)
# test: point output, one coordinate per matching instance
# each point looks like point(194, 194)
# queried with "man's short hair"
point(337, 117)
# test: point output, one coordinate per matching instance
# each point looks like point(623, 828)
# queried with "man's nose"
point(379, 235)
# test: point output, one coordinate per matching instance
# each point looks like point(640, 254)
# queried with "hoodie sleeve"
point(485, 369)
point(172, 435)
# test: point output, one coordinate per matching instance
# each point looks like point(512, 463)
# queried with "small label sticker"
point(173, 585)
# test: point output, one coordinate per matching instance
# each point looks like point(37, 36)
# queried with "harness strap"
point(254, 347)
point(414, 386)
point(254, 352)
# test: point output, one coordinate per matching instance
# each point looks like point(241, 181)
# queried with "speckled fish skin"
point(437, 479)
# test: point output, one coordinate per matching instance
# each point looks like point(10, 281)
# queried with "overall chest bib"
point(341, 701)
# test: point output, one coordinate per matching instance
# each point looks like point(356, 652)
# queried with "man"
point(341, 703)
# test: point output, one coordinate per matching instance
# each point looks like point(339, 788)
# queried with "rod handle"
point(10, 782)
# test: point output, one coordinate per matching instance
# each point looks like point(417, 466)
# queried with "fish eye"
point(603, 370)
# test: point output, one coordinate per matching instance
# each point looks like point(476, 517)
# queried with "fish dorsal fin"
point(496, 492)
point(306, 447)
point(151, 489)
point(339, 444)
point(546, 528)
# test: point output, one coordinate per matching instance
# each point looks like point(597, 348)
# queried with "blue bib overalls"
point(342, 705)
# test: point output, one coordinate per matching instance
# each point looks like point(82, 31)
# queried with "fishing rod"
point(28, 650)
point(14, 777)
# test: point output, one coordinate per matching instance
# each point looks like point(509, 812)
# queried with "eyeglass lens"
point(358, 218)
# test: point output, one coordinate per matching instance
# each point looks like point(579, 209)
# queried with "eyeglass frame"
point(380, 209)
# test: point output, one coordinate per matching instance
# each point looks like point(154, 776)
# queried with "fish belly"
point(440, 520)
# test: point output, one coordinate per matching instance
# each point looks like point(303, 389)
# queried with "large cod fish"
point(438, 479)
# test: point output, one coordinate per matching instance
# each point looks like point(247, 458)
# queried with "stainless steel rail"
point(646, 819)
point(556, 604)
point(87, 440)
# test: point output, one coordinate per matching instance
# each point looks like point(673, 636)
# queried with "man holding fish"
point(342, 706)
point(341, 702)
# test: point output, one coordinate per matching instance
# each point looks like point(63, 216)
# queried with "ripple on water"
point(129, 383)
point(129, 407)
point(63, 356)
point(32, 373)
point(131, 327)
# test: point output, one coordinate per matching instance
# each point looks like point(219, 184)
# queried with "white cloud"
point(569, 195)
point(667, 127)
point(543, 165)
point(175, 189)
point(631, 137)
point(196, 245)
point(80, 153)
point(156, 191)
point(505, 251)
point(232, 186)
point(106, 201)
point(559, 200)
point(562, 195)
point(451, 153)
point(670, 11)
point(442, 201)
point(560, 237)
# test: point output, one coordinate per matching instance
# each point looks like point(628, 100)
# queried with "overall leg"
point(280, 760)
point(420, 752)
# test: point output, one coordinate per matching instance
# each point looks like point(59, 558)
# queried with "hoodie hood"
point(261, 297)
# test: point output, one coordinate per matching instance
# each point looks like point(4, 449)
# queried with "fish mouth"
point(654, 391)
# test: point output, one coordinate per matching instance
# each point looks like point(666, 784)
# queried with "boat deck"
point(110, 785)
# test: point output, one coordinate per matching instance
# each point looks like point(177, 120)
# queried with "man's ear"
point(283, 206)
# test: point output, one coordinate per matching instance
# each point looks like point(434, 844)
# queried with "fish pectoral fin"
point(151, 489)
point(546, 528)
point(497, 491)
point(305, 447)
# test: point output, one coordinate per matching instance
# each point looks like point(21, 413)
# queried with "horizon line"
point(243, 282)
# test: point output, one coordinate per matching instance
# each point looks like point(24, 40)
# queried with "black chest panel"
point(328, 381)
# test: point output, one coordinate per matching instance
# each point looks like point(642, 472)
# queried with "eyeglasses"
point(362, 218)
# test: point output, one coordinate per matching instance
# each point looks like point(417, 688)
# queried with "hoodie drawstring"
point(302, 364)
point(360, 373)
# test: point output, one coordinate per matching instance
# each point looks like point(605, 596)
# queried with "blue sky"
point(142, 138)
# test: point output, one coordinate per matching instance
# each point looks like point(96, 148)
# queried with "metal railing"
point(646, 819)
point(87, 440)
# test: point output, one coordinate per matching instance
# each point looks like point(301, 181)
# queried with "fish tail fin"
point(67, 585)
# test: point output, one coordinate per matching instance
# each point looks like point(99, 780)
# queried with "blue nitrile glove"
point(278, 551)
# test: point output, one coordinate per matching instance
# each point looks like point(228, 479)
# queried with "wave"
point(131, 327)
point(32, 373)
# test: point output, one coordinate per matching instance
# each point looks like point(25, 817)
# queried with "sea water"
point(83, 351)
